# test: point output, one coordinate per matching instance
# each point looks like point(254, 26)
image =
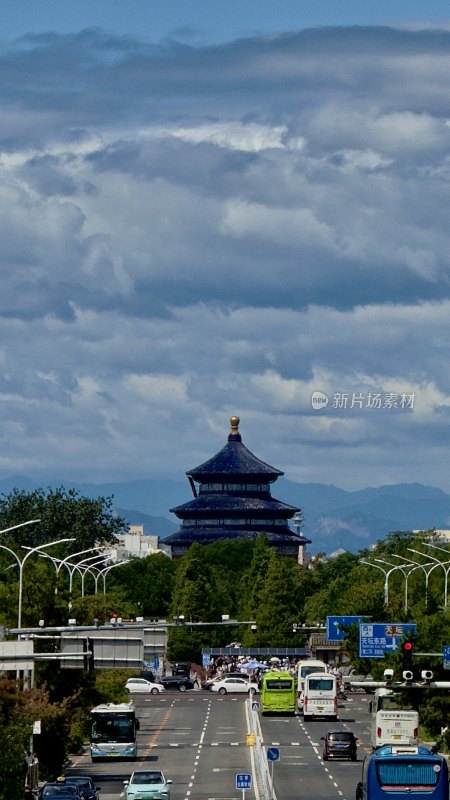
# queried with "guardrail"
point(260, 765)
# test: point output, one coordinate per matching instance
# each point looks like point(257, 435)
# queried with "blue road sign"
point(243, 781)
point(255, 705)
point(334, 627)
point(447, 656)
point(378, 638)
point(273, 754)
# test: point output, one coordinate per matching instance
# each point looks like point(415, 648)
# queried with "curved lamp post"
point(20, 525)
point(417, 565)
point(403, 569)
point(21, 564)
point(60, 562)
point(386, 574)
point(438, 564)
point(104, 572)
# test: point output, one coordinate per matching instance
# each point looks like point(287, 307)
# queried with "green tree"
point(195, 594)
point(63, 513)
point(148, 583)
point(254, 579)
point(279, 602)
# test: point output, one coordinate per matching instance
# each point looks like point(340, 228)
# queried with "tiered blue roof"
point(234, 501)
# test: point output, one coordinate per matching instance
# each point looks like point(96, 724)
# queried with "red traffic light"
point(407, 646)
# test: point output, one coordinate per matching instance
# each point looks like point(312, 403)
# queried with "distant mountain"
point(333, 517)
point(153, 526)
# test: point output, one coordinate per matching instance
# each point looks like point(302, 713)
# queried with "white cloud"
point(187, 234)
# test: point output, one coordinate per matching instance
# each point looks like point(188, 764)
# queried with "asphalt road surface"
point(198, 739)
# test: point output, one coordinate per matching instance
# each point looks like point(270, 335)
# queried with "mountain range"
point(333, 518)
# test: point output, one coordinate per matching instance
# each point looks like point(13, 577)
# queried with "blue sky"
point(200, 219)
point(210, 21)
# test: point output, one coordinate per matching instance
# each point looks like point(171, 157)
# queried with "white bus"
point(305, 668)
point(320, 695)
point(113, 731)
point(393, 720)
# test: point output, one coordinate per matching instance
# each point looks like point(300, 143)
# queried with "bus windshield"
point(280, 684)
point(321, 684)
point(105, 728)
point(393, 702)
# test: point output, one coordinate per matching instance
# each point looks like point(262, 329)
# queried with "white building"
point(136, 544)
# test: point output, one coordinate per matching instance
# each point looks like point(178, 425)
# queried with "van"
point(305, 668)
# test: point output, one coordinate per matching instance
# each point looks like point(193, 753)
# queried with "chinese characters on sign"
point(378, 638)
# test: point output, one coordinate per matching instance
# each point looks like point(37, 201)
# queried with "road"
point(198, 739)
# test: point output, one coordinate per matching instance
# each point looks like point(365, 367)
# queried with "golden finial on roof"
point(234, 422)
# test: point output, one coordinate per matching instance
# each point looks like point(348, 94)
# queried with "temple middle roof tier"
point(218, 503)
point(234, 459)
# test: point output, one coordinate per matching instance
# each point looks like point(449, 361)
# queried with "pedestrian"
point(195, 679)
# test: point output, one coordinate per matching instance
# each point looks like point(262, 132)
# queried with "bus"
point(320, 695)
point(394, 721)
point(277, 693)
point(412, 773)
point(307, 668)
point(113, 731)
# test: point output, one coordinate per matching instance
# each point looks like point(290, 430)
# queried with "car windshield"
point(341, 737)
point(83, 783)
point(63, 788)
point(147, 777)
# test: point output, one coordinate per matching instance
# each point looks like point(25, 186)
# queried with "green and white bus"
point(278, 693)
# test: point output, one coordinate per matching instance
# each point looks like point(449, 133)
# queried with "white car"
point(143, 686)
point(148, 784)
point(229, 685)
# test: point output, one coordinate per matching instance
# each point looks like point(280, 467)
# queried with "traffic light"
point(407, 653)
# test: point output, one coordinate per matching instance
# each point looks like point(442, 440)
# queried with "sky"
point(210, 209)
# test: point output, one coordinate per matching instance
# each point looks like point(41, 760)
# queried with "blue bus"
point(401, 771)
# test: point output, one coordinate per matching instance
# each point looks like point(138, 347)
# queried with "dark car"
point(60, 790)
point(339, 744)
point(148, 675)
point(86, 786)
point(179, 682)
point(181, 669)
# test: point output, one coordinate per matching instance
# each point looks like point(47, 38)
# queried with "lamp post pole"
point(105, 571)
point(438, 564)
point(58, 562)
point(386, 574)
point(21, 566)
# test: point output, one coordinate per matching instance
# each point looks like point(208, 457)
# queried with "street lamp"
point(20, 525)
point(58, 562)
point(386, 574)
point(424, 567)
point(106, 570)
point(402, 567)
point(438, 564)
point(21, 564)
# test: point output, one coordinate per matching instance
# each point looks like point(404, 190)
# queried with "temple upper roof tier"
point(234, 459)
